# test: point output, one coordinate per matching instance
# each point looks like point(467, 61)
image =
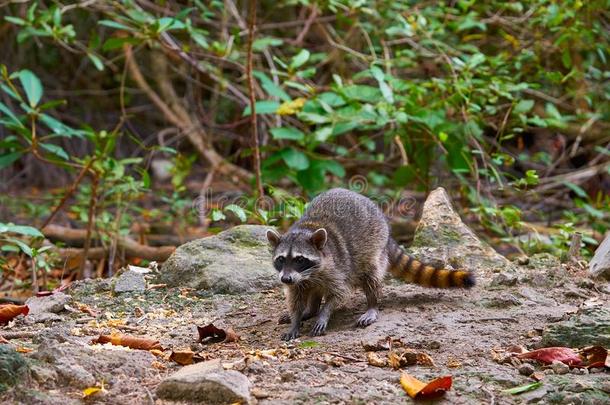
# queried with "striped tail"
point(407, 268)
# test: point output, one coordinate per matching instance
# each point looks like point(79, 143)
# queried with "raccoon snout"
point(287, 279)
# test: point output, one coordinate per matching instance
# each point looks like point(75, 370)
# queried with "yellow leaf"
point(291, 107)
point(87, 392)
point(411, 385)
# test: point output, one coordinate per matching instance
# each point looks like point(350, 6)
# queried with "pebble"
point(560, 368)
point(526, 369)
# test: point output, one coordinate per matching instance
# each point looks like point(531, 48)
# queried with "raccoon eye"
point(300, 259)
point(279, 262)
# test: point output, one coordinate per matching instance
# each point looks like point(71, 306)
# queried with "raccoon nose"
point(286, 279)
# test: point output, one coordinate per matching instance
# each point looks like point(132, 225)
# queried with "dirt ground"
point(460, 330)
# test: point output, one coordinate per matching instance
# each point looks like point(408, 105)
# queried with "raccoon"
point(343, 242)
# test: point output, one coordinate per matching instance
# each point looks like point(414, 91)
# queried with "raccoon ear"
point(319, 238)
point(273, 237)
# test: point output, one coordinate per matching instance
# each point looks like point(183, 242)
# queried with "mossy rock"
point(235, 261)
point(441, 234)
point(588, 327)
point(13, 367)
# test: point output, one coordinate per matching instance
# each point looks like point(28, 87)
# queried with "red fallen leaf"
point(129, 341)
point(417, 389)
point(595, 357)
point(212, 334)
point(44, 293)
point(548, 355)
point(9, 311)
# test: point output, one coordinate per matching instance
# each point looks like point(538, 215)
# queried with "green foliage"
point(401, 93)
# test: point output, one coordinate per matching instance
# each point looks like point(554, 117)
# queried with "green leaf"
point(523, 388)
point(385, 89)
point(331, 166)
point(9, 159)
point(20, 229)
point(579, 191)
point(263, 107)
point(217, 215)
point(15, 20)
point(287, 133)
point(115, 43)
point(307, 344)
point(262, 43)
point(523, 106)
point(114, 24)
point(32, 86)
point(359, 92)
point(23, 246)
point(56, 150)
point(271, 88)
point(295, 159)
point(9, 113)
point(238, 211)
point(300, 59)
point(97, 62)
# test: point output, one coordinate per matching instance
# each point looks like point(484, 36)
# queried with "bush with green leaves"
point(408, 94)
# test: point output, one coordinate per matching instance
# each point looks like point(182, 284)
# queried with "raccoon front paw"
point(284, 318)
point(290, 335)
point(319, 328)
point(368, 317)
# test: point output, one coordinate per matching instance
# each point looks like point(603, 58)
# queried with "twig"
point(492, 319)
point(90, 220)
point(19, 335)
point(253, 124)
point(314, 13)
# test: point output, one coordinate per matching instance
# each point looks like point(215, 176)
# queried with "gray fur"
point(354, 255)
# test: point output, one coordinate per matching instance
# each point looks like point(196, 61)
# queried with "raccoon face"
point(297, 255)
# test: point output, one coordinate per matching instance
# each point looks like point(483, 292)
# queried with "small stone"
point(559, 367)
point(504, 278)
point(287, 376)
point(259, 393)
point(526, 369)
point(206, 382)
point(596, 370)
point(586, 283)
point(53, 303)
point(43, 374)
point(572, 400)
point(523, 260)
point(605, 386)
point(130, 281)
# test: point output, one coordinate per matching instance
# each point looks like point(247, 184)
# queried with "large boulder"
point(235, 261)
point(599, 266)
point(441, 234)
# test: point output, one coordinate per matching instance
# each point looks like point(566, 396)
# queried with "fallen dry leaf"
point(86, 309)
point(595, 357)
point(380, 345)
point(417, 389)
point(22, 349)
point(549, 354)
point(129, 341)
point(408, 357)
point(374, 360)
point(538, 375)
point(453, 363)
point(158, 365)
point(182, 357)
point(212, 334)
point(9, 311)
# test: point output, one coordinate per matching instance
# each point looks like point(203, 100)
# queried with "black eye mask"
point(301, 263)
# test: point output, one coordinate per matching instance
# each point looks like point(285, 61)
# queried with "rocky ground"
point(466, 334)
